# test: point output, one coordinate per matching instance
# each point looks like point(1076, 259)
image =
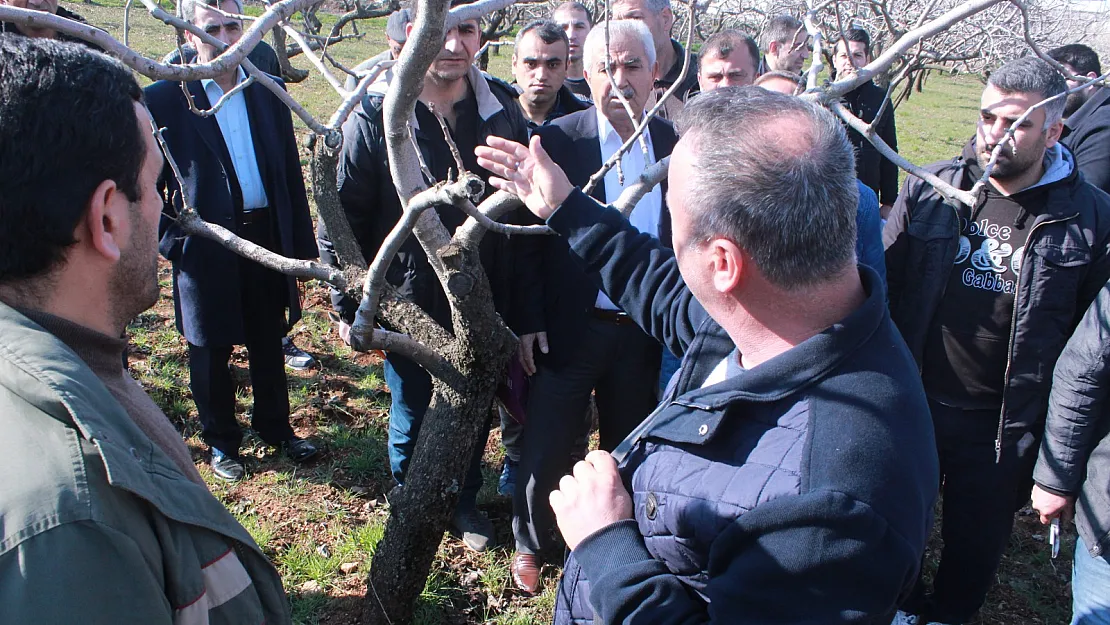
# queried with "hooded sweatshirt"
point(965, 359)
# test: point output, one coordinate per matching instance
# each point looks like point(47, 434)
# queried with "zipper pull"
point(997, 450)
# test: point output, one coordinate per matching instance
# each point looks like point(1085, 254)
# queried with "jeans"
point(1090, 588)
point(410, 390)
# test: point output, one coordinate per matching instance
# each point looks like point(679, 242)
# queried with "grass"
point(316, 521)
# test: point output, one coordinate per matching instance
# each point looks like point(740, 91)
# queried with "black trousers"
point(264, 298)
point(621, 365)
point(979, 498)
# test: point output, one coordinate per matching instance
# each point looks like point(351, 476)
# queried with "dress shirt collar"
point(606, 133)
point(211, 88)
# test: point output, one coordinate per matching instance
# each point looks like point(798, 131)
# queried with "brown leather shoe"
point(526, 572)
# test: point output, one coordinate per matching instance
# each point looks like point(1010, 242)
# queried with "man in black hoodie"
point(986, 297)
point(872, 168)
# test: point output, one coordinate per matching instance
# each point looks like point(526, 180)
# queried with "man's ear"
point(408, 31)
point(1052, 135)
point(727, 264)
point(668, 18)
point(106, 221)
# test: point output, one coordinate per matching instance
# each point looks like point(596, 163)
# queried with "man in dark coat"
point(872, 168)
point(986, 297)
point(1087, 113)
point(1073, 471)
point(242, 171)
point(592, 346)
point(789, 474)
point(473, 110)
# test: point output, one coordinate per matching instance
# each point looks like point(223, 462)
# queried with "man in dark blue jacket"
point(789, 474)
point(243, 172)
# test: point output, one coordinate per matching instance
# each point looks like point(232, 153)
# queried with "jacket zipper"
point(1013, 330)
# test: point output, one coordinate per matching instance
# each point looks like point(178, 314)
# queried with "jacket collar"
point(488, 104)
point(67, 391)
point(1096, 101)
point(693, 413)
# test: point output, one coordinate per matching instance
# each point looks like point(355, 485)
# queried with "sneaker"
point(298, 449)
point(475, 529)
point(227, 468)
point(296, 358)
point(506, 484)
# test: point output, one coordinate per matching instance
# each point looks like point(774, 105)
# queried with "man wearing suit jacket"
point(243, 173)
point(593, 345)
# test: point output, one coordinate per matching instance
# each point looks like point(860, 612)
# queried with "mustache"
point(627, 92)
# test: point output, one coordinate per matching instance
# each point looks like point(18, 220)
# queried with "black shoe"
point(473, 527)
point(298, 449)
point(227, 468)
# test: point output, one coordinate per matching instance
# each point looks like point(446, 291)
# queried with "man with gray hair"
point(789, 474)
point(244, 173)
point(591, 345)
point(986, 297)
point(657, 16)
point(785, 45)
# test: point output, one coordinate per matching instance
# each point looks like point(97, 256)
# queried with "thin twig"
point(316, 62)
point(450, 140)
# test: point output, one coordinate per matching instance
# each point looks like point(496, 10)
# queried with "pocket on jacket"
point(1057, 273)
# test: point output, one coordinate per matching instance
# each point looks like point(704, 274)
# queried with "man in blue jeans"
point(1074, 464)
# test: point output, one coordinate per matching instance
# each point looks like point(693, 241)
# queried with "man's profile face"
point(689, 253)
point(134, 278)
point(790, 55)
point(849, 59)
point(658, 23)
point(45, 6)
point(459, 47)
point(576, 25)
point(539, 68)
point(226, 29)
point(633, 74)
point(1078, 98)
point(998, 112)
point(736, 70)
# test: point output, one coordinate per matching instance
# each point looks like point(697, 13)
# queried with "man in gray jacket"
point(1074, 465)
point(103, 516)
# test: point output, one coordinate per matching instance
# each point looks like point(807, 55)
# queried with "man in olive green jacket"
point(103, 516)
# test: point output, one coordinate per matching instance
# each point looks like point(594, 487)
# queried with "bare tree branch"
point(599, 175)
point(192, 223)
point(647, 180)
point(951, 194)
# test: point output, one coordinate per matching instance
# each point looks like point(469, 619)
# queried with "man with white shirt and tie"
point(242, 172)
point(593, 346)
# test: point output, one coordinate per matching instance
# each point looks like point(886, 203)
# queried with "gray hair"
point(1033, 75)
point(618, 29)
point(776, 175)
point(781, 28)
point(189, 7)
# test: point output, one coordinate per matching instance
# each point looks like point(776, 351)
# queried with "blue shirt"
point(236, 129)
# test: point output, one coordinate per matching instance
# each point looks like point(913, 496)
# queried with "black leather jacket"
point(1066, 265)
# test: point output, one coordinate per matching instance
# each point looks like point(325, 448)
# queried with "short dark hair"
point(1033, 75)
point(572, 5)
point(723, 43)
point(857, 35)
point(1081, 58)
point(787, 197)
point(67, 124)
point(781, 28)
point(547, 30)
